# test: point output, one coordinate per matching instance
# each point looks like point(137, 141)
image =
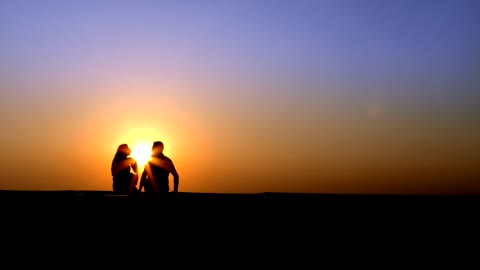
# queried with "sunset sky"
point(340, 96)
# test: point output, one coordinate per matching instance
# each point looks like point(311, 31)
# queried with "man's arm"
point(176, 178)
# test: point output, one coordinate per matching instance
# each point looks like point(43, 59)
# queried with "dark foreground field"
point(247, 205)
point(290, 208)
point(206, 222)
point(252, 218)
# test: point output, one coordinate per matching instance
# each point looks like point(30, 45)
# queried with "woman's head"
point(118, 162)
point(124, 149)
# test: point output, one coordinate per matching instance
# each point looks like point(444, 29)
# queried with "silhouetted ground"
point(315, 208)
point(88, 202)
point(289, 222)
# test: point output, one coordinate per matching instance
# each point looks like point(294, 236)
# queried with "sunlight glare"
point(141, 153)
point(140, 141)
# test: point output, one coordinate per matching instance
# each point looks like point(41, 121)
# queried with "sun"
point(141, 153)
point(140, 141)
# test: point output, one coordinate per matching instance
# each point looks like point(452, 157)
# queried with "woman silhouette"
point(124, 180)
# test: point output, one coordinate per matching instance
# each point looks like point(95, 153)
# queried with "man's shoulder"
point(168, 161)
point(165, 158)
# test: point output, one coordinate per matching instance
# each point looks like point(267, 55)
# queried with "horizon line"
point(253, 193)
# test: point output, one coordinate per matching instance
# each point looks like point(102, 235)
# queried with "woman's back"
point(124, 181)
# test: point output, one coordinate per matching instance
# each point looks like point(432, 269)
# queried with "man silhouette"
point(155, 176)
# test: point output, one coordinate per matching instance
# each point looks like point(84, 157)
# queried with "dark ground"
point(287, 209)
point(290, 222)
point(303, 205)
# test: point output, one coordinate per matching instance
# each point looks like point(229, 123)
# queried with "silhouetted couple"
point(155, 176)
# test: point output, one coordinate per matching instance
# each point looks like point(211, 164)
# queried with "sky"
point(320, 96)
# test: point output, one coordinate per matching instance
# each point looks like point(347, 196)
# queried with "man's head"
point(157, 147)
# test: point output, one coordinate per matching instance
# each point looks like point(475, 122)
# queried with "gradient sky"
point(371, 96)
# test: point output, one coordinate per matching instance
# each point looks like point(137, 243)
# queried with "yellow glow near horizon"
point(141, 153)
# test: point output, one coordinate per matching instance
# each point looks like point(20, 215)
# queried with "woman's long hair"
point(119, 161)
